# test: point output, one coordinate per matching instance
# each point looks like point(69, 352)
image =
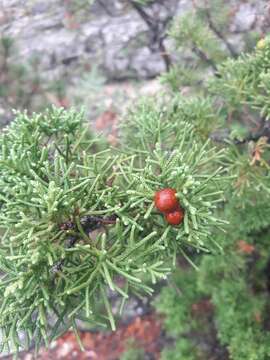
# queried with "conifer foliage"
point(78, 218)
point(227, 303)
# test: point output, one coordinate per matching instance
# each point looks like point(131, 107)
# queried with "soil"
point(145, 331)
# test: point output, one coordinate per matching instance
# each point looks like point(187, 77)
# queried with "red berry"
point(175, 217)
point(165, 200)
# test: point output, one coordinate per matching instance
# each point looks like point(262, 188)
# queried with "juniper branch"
point(219, 34)
point(88, 224)
point(203, 56)
point(223, 136)
point(157, 29)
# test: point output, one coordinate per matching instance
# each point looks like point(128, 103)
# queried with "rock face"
point(110, 34)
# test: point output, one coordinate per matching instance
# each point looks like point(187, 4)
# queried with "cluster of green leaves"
point(168, 156)
point(245, 82)
point(244, 102)
point(58, 183)
point(191, 31)
point(237, 280)
point(237, 284)
point(132, 352)
point(201, 41)
point(199, 113)
point(175, 301)
point(183, 349)
point(184, 321)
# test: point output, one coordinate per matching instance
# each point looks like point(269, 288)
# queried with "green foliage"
point(186, 316)
point(236, 281)
point(57, 187)
point(183, 350)
point(133, 352)
point(191, 32)
point(239, 312)
point(175, 302)
point(250, 178)
point(78, 217)
point(168, 122)
point(143, 2)
point(236, 311)
point(197, 36)
point(180, 75)
point(167, 147)
point(201, 41)
point(245, 81)
point(218, 10)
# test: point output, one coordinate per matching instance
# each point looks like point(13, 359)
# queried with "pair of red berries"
point(167, 202)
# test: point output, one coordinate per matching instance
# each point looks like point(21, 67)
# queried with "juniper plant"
point(202, 42)
point(77, 216)
point(231, 290)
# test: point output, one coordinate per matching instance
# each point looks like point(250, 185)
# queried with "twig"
point(218, 33)
point(71, 241)
point(165, 55)
point(157, 29)
point(88, 223)
point(264, 132)
point(172, 283)
point(223, 137)
point(143, 14)
point(202, 55)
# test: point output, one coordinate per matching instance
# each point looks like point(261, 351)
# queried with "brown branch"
point(215, 30)
point(219, 34)
point(223, 135)
point(88, 223)
point(203, 56)
point(157, 29)
point(166, 57)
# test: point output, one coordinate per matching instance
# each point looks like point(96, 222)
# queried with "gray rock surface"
point(245, 17)
point(109, 33)
point(116, 38)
